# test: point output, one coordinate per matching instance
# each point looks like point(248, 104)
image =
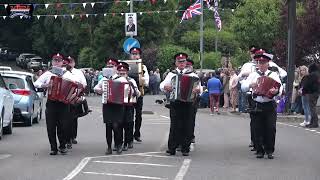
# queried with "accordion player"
point(264, 84)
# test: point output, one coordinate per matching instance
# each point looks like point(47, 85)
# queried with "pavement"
point(220, 153)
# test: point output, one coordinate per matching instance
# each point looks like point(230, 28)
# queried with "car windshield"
point(29, 56)
point(14, 82)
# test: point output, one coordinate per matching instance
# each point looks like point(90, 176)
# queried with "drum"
point(117, 92)
point(182, 88)
point(63, 90)
point(264, 84)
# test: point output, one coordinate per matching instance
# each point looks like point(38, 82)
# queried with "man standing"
point(74, 108)
point(181, 113)
point(142, 82)
point(265, 116)
point(158, 80)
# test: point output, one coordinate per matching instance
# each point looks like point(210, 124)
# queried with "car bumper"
point(20, 115)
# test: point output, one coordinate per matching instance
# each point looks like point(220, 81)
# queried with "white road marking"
point(156, 156)
point(183, 170)
point(306, 129)
point(76, 171)
point(165, 123)
point(85, 161)
point(4, 156)
point(127, 175)
point(166, 117)
point(133, 163)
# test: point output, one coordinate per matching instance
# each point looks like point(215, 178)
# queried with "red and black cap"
point(135, 50)
point(260, 55)
point(57, 57)
point(123, 66)
point(190, 62)
point(253, 49)
point(112, 61)
point(68, 60)
point(180, 57)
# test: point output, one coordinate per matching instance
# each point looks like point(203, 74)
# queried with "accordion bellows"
point(264, 84)
point(182, 87)
point(117, 92)
point(64, 90)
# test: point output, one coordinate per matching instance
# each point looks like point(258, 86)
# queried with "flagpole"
point(201, 38)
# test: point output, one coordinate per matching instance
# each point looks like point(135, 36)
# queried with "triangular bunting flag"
point(4, 17)
point(5, 6)
point(34, 6)
point(158, 12)
point(38, 16)
point(87, 15)
point(72, 16)
point(122, 14)
point(232, 10)
point(104, 15)
point(92, 4)
point(176, 11)
point(128, 3)
point(21, 17)
point(84, 5)
point(55, 16)
point(46, 5)
point(141, 13)
point(95, 15)
point(165, 1)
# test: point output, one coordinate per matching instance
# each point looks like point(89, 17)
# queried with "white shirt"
point(167, 80)
point(44, 79)
point(252, 78)
point(282, 72)
point(248, 67)
point(79, 76)
point(145, 76)
point(98, 87)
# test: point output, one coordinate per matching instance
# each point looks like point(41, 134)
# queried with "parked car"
point(20, 60)
point(35, 63)
point(6, 109)
point(5, 68)
point(27, 102)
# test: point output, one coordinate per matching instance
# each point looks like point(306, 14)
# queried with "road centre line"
point(183, 170)
point(306, 129)
point(133, 163)
point(156, 156)
point(166, 117)
point(4, 156)
point(126, 175)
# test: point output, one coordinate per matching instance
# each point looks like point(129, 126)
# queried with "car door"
point(8, 100)
point(34, 94)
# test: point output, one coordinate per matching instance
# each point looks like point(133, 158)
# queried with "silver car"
point(27, 102)
point(6, 109)
point(35, 63)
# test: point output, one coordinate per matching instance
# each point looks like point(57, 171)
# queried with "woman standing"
point(304, 91)
point(233, 89)
point(226, 91)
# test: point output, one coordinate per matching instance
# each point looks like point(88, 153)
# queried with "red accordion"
point(117, 92)
point(264, 84)
point(64, 90)
point(182, 87)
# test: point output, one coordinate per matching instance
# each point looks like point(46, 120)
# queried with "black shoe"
point(253, 149)
point(178, 148)
point(312, 126)
point(69, 146)
point(114, 148)
point(260, 155)
point(185, 153)
point(63, 151)
point(193, 140)
point(74, 141)
point(53, 153)
point(171, 152)
point(130, 145)
point(270, 156)
point(109, 151)
point(125, 147)
point(251, 144)
point(119, 149)
point(138, 139)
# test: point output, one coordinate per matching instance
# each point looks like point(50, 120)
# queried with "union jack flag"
point(193, 10)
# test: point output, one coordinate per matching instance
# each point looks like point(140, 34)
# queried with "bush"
point(87, 58)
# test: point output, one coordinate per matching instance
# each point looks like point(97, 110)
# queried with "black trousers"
point(264, 127)
point(72, 123)
point(195, 110)
point(313, 98)
point(181, 126)
point(114, 125)
point(128, 124)
point(138, 121)
point(250, 103)
point(57, 123)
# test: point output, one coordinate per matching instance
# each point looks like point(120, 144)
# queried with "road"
point(220, 153)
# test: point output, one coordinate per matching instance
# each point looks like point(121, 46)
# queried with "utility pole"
point(291, 50)
point(131, 11)
point(201, 38)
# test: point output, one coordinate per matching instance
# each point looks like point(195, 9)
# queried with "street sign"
point(130, 43)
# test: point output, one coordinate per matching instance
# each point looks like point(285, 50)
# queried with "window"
point(14, 82)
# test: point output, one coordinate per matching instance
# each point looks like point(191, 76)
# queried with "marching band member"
point(112, 113)
point(78, 74)
point(264, 119)
point(181, 113)
point(128, 110)
point(135, 55)
point(56, 112)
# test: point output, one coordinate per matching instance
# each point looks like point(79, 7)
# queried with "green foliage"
point(211, 60)
point(257, 22)
point(166, 53)
point(240, 57)
point(87, 58)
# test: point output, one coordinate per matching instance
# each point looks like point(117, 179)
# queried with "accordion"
point(117, 92)
point(64, 90)
point(183, 84)
point(264, 84)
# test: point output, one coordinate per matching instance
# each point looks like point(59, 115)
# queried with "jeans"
point(306, 108)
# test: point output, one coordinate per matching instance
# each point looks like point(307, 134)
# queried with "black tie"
point(181, 72)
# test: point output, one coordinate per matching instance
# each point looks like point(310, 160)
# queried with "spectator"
point(296, 98)
point(303, 91)
point(152, 83)
point(158, 80)
point(214, 88)
point(225, 81)
point(233, 83)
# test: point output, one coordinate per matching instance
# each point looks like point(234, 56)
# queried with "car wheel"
point(8, 129)
point(29, 121)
